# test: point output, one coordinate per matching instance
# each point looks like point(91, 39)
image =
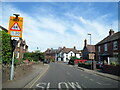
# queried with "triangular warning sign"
point(15, 27)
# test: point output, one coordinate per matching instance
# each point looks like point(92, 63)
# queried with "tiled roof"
point(67, 50)
point(3, 28)
point(91, 48)
point(109, 38)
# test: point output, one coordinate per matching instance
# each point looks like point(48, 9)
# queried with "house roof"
point(109, 38)
point(3, 28)
point(91, 48)
point(67, 50)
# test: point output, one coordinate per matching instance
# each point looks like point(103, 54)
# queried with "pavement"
point(61, 75)
point(23, 81)
point(114, 77)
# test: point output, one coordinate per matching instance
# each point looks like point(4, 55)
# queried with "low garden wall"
point(115, 70)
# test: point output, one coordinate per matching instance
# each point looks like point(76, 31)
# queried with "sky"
point(58, 24)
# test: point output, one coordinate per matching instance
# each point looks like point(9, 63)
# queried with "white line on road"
point(86, 77)
point(91, 79)
point(98, 83)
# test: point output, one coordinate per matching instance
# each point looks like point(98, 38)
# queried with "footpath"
point(114, 77)
point(23, 81)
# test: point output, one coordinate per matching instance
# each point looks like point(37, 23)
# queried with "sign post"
point(15, 30)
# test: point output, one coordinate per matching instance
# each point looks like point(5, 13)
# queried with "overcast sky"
point(53, 25)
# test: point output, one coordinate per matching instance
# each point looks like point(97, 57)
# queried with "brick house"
point(108, 48)
point(50, 53)
point(20, 48)
point(88, 51)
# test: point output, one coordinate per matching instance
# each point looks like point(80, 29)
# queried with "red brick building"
point(109, 48)
point(20, 49)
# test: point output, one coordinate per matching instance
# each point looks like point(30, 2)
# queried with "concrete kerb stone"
point(34, 80)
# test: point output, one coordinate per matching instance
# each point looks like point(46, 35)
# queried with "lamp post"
point(90, 49)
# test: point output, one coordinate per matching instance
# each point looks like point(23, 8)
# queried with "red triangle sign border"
point(15, 29)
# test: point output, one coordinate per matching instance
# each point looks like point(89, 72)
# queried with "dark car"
point(46, 61)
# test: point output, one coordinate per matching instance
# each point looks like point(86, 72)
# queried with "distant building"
point(65, 53)
point(20, 48)
point(50, 53)
point(108, 48)
point(88, 51)
point(62, 54)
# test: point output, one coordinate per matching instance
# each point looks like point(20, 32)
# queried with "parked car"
point(46, 61)
point(99, 64)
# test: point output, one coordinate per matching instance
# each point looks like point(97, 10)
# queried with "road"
point(60, 75)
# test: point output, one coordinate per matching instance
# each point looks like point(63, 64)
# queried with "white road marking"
point(86, 77)
point(60, 84)
point(41, 85)
point(48, 85)
point(98, 83)
point(75, 85)
point(91, 79)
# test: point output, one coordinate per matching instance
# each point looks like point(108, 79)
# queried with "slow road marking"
point(60, 85)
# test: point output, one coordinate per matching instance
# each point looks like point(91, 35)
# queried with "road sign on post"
point(15, 26)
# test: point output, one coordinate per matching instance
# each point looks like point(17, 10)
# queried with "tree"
point(6, 48)
point(35, 56)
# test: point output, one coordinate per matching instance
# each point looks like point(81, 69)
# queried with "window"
point(66, 56)
point(19, 44)
point(24, 46)
point(17, 54)
point(115, 46)
point(71, 54)
point(105, 47)
point(98, 48)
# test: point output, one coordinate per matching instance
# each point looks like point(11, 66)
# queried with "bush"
point(113, 63)
point(6, 48)
point(17, 62)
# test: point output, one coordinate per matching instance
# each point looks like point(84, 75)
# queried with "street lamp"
point(90, 49)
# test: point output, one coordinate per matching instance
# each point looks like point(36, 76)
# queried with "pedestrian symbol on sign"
point(15, 27)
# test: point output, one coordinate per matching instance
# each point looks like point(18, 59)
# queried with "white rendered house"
point(66, 53)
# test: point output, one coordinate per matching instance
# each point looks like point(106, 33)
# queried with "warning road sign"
point(15, 26)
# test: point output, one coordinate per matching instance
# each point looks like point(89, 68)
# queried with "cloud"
point(52, 31)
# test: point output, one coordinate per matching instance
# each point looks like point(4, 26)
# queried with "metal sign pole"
point(12, 68)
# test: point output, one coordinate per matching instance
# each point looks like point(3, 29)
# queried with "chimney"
point(64, 47)
point(74, 47)
point(85, 42)
point(111, 32)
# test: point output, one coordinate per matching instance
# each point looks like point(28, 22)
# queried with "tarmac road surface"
point(62, 76)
